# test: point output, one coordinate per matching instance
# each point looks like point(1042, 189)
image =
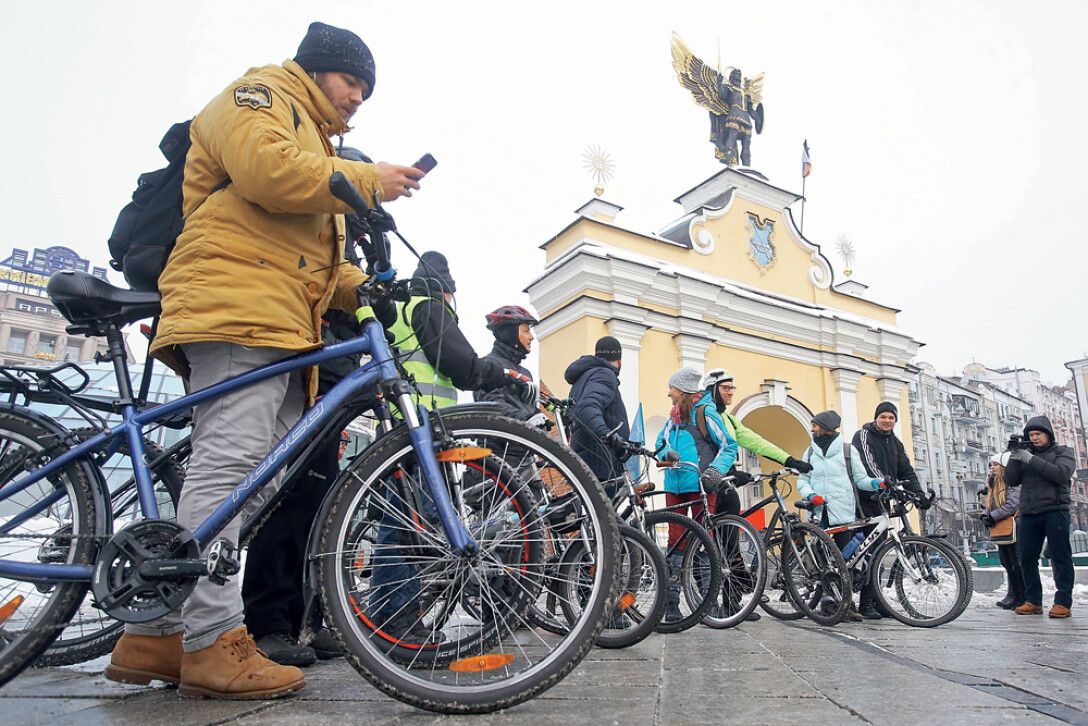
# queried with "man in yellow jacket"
point(254, 268)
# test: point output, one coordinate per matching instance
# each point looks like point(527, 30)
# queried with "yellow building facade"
point(731, 283)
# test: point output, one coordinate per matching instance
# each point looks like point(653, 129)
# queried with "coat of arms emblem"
point(760, 247)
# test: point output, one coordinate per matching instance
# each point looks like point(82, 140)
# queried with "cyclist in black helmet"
point(512, 327)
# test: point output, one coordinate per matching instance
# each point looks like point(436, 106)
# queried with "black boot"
point(1008, 602)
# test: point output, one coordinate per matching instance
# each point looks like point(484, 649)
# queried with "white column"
point(630, 337)
point(692, 350)
point(891, 389)
point(846, 385)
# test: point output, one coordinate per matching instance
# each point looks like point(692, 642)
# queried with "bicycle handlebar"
point(379, 220)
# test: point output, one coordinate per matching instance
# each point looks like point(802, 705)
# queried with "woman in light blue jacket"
point(832, 480)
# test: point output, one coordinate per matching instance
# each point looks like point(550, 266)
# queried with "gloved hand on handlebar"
point(711, 479)
point(797, 465)
point(670, 455)
point(888, 482)
point(523, 386)
point(617, 442)
point(925, 501)
point(816, 500)
point(741, 478)
point(876, 484)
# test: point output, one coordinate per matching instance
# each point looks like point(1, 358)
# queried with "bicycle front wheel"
point(776, 600)
point(694, 570)
point(815, 574)
point(449, 633)
point(50, 522)
point(640, 604)
point(744, 570)
point(923, 583)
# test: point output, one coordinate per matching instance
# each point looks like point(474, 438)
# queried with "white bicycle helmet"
point(715, 376)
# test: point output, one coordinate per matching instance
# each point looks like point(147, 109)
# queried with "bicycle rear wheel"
point(924, 584)
point(642, 593)
point(815, 574)
point(91, 633)
point(694, 571)
point(453, 634)
point(744, 570)
point(51, 521)
point(776, 600)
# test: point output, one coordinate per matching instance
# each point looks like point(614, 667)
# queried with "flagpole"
point(804, 179)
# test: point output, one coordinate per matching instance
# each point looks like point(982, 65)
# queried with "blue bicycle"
point(430, 550)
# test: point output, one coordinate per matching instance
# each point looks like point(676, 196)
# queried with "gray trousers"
point(231, 435)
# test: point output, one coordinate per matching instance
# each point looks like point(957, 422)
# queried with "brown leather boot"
point(234, 668)
point(1029, 608)
point(1059, 611)
point(141, 659)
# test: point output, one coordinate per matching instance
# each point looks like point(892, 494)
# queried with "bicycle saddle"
point(86, 300)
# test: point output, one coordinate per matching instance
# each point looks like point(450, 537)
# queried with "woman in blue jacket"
point(700, 459)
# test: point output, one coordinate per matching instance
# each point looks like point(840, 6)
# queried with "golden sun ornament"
point(600, 166)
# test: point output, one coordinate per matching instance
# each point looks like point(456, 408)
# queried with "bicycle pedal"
point(223, 561)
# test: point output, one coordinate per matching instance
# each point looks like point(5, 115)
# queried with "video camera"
point(1016, 441)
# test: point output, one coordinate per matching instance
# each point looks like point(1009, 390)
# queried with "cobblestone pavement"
point(989, 666)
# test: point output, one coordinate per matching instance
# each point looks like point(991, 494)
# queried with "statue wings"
point(696, 76)
point(704, 82)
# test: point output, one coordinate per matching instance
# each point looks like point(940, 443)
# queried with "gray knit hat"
point(686, 380)
point(830, 420)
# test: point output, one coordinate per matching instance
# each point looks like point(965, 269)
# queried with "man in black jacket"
point(512, 327)
point(884, 457)
point(1043, 471)
point(598, 408)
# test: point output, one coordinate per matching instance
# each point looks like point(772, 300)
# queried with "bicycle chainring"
point(122, 591)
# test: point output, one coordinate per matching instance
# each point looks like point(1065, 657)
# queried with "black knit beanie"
point(830, 420)
point(326, 48)
point(887, 407)
point(608, 348)
point(434, 272)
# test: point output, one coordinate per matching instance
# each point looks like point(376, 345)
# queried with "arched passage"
point(785, 429)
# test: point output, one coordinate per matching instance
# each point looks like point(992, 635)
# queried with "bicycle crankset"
point(146, 571)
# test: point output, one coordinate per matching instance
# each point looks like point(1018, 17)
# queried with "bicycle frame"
point(883, 525)
point(381, 369)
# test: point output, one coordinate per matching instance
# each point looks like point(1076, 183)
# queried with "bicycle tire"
point(639, 556)
point(510, 686)
point(22, 438)
point(168, 478)
point(902, 607)
point(776, 600)
point(741, 590)
point(812, 553)
point(657, 523)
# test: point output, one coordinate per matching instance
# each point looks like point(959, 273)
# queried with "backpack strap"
point(700, 422)
point(846, 446)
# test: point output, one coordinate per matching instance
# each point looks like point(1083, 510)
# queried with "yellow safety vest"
point(436, 390)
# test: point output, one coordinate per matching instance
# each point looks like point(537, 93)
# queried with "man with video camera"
point(1043, 469)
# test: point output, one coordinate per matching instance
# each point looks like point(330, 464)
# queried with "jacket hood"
point(587, 362)
point(1040, 423)
point(314, 101)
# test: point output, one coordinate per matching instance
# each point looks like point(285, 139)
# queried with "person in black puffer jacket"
point(884, 457)
point(598, 408)
point(1043, 472)
point(512, 327)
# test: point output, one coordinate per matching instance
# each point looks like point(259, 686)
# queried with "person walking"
point(1043, 471)
point(999, 515)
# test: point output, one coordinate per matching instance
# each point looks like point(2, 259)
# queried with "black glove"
point(890, 482)
point(986, 519)
point(617, 442)
point(925, 501)
point(524, 387)
point(740, 478)
point(798, 465)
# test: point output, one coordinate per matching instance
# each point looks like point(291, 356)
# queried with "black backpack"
point(148, 226)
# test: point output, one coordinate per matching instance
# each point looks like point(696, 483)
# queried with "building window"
point(72, 352)
point(17, 342)
point(45, 345)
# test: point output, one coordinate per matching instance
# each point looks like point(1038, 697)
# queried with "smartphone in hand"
point(425, 163)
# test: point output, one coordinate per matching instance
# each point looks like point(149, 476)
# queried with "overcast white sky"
point(947, 137)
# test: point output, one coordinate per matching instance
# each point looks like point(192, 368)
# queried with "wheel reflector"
point(9, 608)
point(626, 600)
point(463, 454)
point(481, 663)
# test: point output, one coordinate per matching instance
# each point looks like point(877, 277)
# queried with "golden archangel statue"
point(735, 103)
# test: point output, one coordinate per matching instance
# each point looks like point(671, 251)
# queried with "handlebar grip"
point(342, 188)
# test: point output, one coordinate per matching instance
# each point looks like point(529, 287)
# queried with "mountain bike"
point(433, 500)
point(921, 581)
point(806, 574)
